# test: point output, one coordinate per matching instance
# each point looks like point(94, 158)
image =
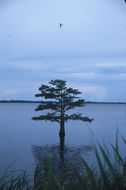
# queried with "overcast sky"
point(89, 51)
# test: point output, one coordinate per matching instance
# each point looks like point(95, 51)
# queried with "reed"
point(109, 175)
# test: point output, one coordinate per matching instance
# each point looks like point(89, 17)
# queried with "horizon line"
point(38, 101)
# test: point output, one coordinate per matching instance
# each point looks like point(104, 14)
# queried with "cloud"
point(35, 27)
point(29, 65)
point(82, 75)
point(97, 93)
point(19, 90)
point(91, 92)
point(89, 50)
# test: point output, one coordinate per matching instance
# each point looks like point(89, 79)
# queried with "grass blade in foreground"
point(111, 174)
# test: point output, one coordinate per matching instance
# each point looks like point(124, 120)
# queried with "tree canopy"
point(58, 99)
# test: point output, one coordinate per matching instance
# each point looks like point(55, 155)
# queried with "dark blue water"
point(21, 138)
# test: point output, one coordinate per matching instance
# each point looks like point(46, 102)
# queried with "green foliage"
point(57, 100)
point(10, 181)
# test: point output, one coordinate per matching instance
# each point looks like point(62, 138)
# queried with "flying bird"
point(60, 24)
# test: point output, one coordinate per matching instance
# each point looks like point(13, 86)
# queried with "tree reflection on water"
point(62, 156)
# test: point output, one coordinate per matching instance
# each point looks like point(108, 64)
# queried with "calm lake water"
point(23, 142)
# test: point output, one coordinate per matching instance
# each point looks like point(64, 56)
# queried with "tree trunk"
point(62, 128)
point(62, 143)
point(62, 155)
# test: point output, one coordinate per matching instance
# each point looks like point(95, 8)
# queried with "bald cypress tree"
point(58, 99)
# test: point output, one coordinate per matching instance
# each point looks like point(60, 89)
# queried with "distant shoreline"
point(19, 101)
point(32, 101)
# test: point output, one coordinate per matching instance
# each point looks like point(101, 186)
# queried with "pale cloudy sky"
point(89, 51)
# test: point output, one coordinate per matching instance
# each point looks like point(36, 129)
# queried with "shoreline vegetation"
point(108, 174)
point(33, 101)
